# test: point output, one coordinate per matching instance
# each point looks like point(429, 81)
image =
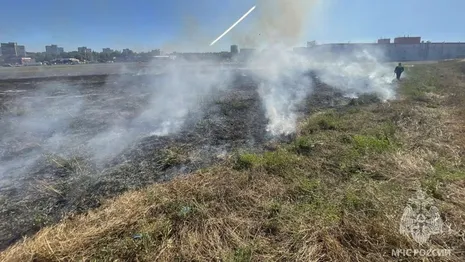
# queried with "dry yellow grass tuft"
point(334, 194)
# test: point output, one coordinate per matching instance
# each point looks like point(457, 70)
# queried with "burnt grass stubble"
point(233, 120)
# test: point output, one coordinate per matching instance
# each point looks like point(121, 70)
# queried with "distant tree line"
point(127, 56)
point(95, 56)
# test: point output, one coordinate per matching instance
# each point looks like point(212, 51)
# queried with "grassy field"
point(63, 70)
point(335, 193)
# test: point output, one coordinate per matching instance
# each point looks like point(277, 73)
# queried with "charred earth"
point(48, 170)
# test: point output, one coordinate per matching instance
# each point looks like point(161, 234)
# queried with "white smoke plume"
point(279, 26)
point(36, 125)
point(175, 93)
point(284, 86)
point(59, 119)
point(355, 72)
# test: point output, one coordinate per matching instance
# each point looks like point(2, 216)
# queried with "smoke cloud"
point(102, 122)
point(356, 72)
point(280, 25)
point(173, 95)
point(37, 125)
point(99, 123)
point(277, 22)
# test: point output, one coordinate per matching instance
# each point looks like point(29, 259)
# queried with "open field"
point(92, 69)
point(107, 69)
point(335, 191)
point(67, 143)
point(65, 70)
point(85, 143)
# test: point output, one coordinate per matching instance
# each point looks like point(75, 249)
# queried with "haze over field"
point(284, 85)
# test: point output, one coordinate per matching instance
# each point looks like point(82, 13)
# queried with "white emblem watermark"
point(421, 220)
point(421, 252)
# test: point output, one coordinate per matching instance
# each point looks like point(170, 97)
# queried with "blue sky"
point(149, 24)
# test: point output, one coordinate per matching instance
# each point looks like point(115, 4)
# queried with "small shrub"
point(303, 145)
point(327, 124)
point(248, 161)
point(345, 138)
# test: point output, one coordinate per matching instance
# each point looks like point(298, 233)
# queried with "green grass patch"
point(248, 161)
point(366, 144)
point(322, 121)
point(277, 162)
point(356, 200)
point(243, 254)
point(280, 161)
point(444, 173)
point(322, 211)
point(305, 189)
point(449, 173)
point(420, 80)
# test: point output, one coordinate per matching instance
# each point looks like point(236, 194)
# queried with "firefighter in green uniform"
point(398, 71)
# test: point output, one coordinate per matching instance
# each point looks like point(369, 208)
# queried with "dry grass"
point(335, 194)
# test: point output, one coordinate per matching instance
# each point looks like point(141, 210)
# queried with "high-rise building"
point(9, 49)
point(84, 50)
point(107, 50)
point(21, 50)
point(14, 54)
point(53, 50)
point(127, 51)
point(234, 49)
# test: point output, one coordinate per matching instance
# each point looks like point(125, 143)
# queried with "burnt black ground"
point(69, 181)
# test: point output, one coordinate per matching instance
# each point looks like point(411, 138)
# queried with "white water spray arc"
point(237, 22)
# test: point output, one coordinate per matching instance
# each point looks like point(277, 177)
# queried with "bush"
point(248, 161)
point(303, 145)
